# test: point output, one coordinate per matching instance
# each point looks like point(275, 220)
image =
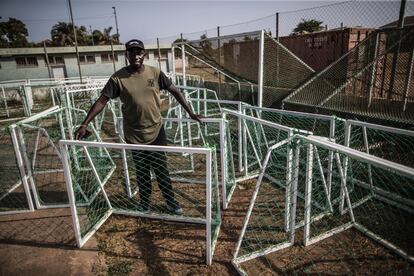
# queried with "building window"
point(56, 60)
point(164, 54)
point(87, 59)
point(26, 62)
point(107, 57)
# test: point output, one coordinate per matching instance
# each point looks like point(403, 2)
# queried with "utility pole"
point(277, 27)
point(159, 53)
point(47, 60)
point(116, 24)
point(90, 29)
point(76, 40)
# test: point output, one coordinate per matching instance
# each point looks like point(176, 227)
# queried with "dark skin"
point(136, 58)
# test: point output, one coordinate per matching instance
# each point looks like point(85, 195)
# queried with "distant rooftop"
point(71, 49)
point(408, 21)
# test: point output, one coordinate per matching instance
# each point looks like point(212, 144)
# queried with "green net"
point(83, 96)
point(14, 191)
point(257, 136)
point(389, 143)
point(13, 101)
point(336, 209)
point(187, 196)
point(39, 138)
point(267, 224)
point(320, 125)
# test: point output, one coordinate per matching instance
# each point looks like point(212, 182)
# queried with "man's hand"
point(196, 117)
point(81, 132)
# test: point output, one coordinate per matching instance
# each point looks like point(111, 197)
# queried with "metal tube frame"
point(64, 144)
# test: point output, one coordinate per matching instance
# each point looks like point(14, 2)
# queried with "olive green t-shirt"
point(140, 97)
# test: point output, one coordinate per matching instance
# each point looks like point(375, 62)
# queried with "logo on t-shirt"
point(150, 82)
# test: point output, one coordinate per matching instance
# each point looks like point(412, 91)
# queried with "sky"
point(147, 20)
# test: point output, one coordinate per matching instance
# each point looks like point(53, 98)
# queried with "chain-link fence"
point(372, 80)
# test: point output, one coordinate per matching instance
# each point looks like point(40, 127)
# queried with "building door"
point(58, 72)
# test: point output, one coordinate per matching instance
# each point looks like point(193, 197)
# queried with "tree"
point(177, 52)
point(13, 33)
point(105, 37)
point(97, 37)
point(62, 35)
point(205, 44)
point(309, 26)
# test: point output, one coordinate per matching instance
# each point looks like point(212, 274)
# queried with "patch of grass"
point(119, 268)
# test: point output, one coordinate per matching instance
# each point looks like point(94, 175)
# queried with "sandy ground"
point(43, 243)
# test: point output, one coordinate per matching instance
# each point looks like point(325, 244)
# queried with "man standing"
point(138, 87)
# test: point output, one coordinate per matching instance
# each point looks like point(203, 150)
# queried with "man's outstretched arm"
point(181, 100)
point(96, 108)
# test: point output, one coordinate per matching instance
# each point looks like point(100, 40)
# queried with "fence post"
point(183, 61)
point(374, 65)
point(277, 26)
point(113, 55)
point(47, 60)
point(173, 64)
point(159, 53)
point(397, 49)
point(219, 58)
point(260, 75)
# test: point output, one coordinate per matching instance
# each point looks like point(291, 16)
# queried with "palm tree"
point(97, 37)
point(62, 34)
point(107, 35)
point(309, 26)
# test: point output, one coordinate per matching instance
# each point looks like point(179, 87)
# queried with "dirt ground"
point(43, 243)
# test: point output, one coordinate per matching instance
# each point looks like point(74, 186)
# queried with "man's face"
point(136, 57)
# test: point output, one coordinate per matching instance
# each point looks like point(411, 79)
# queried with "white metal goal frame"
point(391, 197)
point(22, 178)
point(66, 130)
point(79, 95)
point(311, 145)
point(184, 137)
point(211, 176)
point(292, 171)
point(254, 137)
point(373, 161)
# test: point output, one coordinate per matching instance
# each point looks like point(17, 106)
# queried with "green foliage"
point(13, 33)
point(120, 268)
point(62, 35)
point(177, 52)
point(309, 26)
point(205, 44)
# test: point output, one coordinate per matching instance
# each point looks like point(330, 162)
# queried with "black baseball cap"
point(134, 43)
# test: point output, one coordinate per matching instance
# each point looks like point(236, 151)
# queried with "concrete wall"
point(10, 71)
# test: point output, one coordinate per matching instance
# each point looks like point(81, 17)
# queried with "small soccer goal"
point(38, 137)
point(14, 189)
point(320, 209)
point(160, 197)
